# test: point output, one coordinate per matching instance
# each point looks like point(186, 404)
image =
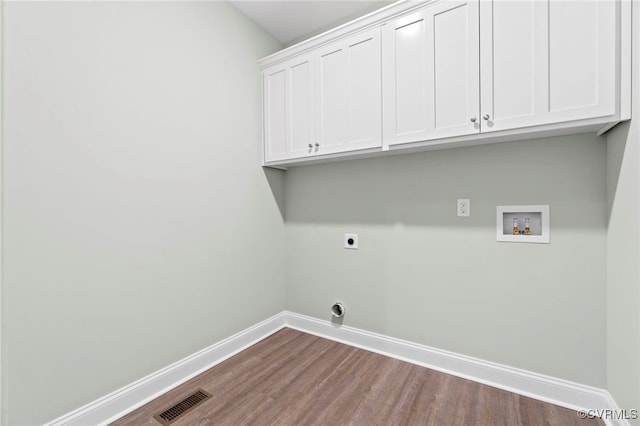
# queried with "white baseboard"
point(549, 389)
point(115, 405)
point(614, 410)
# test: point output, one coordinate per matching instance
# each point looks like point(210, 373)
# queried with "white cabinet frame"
point(512, 115)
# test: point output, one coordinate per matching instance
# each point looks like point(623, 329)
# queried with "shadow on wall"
point(567, 173)
point(276, 181)
point(616, 146)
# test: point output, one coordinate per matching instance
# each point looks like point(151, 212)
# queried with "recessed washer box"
point(523, 224)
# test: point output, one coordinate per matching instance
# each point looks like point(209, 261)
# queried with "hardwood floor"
point(293, 378)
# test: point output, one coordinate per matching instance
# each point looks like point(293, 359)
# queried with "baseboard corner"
point(556, 391)
point(549, 389)
point(128, 398)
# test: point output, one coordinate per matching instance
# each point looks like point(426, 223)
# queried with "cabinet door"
point(349, 94)
point(301, 110)
point(274, 113)
point(288, 110)
point(431, 73)
point(546, 62)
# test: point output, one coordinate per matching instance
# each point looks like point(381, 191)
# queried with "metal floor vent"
point(172, 414)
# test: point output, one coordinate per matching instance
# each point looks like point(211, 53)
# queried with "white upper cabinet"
point(288, 109)
point(326, 102)
point(497, 64)
point(544, 62)
point(349, 94)
point(449, 73)
point(274, 110)
point(431, 68)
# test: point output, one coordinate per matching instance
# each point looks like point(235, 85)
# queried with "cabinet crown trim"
point(363, 23)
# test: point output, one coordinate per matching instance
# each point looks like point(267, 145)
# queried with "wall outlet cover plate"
point(464, 207)
point(351, 241)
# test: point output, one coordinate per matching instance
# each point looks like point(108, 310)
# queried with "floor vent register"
point(172, 414)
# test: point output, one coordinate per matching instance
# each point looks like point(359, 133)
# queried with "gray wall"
point(424, 275)
point(138, 228)
point(623, 251)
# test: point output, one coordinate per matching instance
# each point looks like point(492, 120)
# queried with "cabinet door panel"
point(409, 101)
point(431, 68)
point(301, 109)
point(365, 107)
point(333, 98)
point(572, 76)
point(288, 111)
point(275, 114)
point(514, 63)
point(349, 94)
point(546, 62)
point(582, 53)
point(452, 65)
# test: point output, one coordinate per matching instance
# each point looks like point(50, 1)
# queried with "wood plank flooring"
point(293, 378)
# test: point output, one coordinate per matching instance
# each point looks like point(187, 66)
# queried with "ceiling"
point(291, 21)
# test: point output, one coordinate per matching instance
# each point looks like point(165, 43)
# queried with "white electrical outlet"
point(464, 207)
point(351, 241)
